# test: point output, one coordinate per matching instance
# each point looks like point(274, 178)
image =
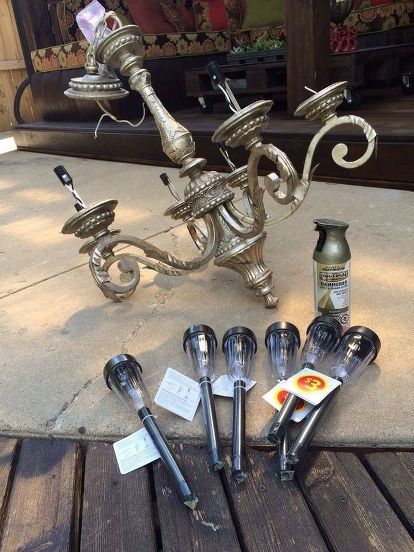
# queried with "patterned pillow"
point(149, 16)
point(210, 15)
point(263, 13)
point(178, 16)
point(233, 14)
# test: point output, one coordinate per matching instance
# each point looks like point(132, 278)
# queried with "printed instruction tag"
point(135, 451)
point(223, 386)
point(277, 396)
point(178, 394)
point(310, 385)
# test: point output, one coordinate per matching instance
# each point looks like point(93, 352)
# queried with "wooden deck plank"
point(117, 509)
point(210, 527)
point(272, 515)
point(7, 452)
point(39, 515)
point(351, 510)
point(394, 474)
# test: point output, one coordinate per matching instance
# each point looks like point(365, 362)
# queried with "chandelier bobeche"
point(234, 238)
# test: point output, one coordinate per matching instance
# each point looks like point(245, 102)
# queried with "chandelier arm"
point(102, 258)
point(239, 214)
point(197, 234)
point(340, 150)
point(285, 171)
point(257, 222)
point(107, 243)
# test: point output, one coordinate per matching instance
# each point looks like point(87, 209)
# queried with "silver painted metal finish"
point(235, 239)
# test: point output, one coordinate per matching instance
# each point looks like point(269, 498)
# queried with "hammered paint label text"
point(332, 290)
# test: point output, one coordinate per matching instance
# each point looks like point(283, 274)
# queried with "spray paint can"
point(331, 271)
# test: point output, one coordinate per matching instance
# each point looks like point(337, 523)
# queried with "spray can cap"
point(324, 225)
point(330, 223)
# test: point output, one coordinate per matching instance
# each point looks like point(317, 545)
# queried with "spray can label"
point(332, 290)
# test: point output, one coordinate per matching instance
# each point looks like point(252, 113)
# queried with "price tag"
point(310, 385)
point(223, 386)
point(178, 394)
point(277, 396)
point(135, 451)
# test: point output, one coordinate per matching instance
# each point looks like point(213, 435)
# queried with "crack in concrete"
point(53, 422)
point(46, 278)
point(161, 299)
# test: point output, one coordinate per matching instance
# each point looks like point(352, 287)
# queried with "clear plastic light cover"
point(126, 381)
point(282, 348)
point(240, 351)
point(322, 339)
point(354, 353)
point(201, 351)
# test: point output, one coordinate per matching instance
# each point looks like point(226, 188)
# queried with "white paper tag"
point(135, 451)
point(277, 396)
point(310, 385)
point(178, 394)
point(223, 386)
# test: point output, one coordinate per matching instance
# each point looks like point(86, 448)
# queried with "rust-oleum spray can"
point(331, 271)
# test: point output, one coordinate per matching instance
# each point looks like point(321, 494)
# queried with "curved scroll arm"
point(103, 257)
point(340, 150)
point(286, 175)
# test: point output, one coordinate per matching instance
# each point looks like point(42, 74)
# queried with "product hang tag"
point(310, 385)
point(277, 396)
point(135, 451)
point(223, 386)
point(178, 394)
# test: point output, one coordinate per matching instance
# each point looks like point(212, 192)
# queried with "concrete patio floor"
point(57, 330)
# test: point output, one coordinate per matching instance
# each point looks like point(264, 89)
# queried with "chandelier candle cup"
point(200, 344)
point(123, 375)
point(331, 271)
point(239, 347)
point(322, 338)
point(282, 342)
point(358, 347)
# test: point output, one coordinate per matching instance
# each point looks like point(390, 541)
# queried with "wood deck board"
point(394, 474)
point(39, 515)
point(273, 515)
point(210, 528)
point(117, 509)
point(391, 117)
point(352, 511)
point(7, 454)
point(340, 502)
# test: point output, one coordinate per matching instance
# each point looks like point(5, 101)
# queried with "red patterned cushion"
point(149, 16)
point(233, 14)
point(178, 16)
point(210, 15)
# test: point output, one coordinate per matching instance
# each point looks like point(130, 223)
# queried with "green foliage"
point(262, 44)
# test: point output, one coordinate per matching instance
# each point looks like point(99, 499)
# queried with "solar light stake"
point(322, 338)
point(282, 341)
point(239, 347)
point(285, 470)
point(358, 347)
point(123, 375)
point(200, 344)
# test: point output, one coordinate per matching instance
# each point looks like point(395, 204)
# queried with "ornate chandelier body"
point(235, 239)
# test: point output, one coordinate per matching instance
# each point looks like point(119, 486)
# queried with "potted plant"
point(262, 49)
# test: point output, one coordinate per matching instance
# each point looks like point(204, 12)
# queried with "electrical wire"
point(107, 113)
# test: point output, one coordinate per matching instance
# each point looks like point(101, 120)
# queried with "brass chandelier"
point(233, 237)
